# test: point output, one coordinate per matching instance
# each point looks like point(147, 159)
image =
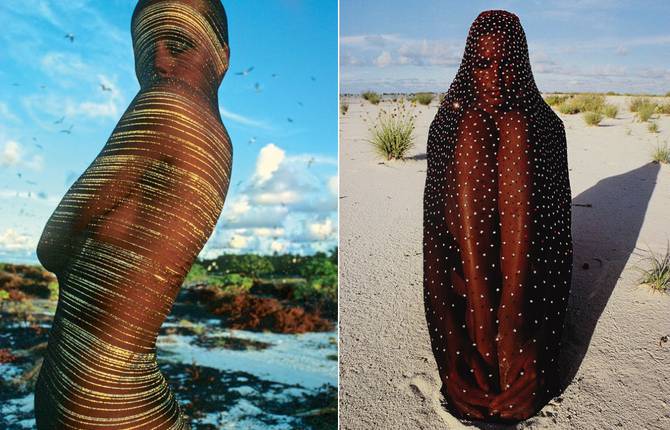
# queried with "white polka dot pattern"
point(497, 238)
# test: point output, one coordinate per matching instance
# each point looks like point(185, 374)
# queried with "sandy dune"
point(617, 375)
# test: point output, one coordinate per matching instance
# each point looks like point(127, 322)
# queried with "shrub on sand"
point(372, 97)
point(652, 127)
point(661, 154)
point(664, 109)
point(657, 273)
point(610, 111)
point(344, 107)
point(392, 135)
point(643, 106)
point(645, 112)
point(582, 103)
point(554, 100)
point(423, 98)
point(592, 118)
point(567, 108)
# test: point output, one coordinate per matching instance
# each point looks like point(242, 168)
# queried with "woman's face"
point(179, 56)
point(169, 47)
point(492, 70)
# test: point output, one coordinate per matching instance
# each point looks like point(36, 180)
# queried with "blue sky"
point(575, 45)
point(283, 193)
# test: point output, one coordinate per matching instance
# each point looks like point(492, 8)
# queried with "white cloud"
point(238, 242)
point(6, 113)
point(276, 246)
point(11, 240)
point(383, 50)
point(65, 65)
point(267, 232)
point(243, 120)
point(321, 231)
point(384, 59)
point(238, 207)
point(333, 185)
point(268, 161)
point(280, 198)
point(11, 153)
point(35, 163)
point(288, 197)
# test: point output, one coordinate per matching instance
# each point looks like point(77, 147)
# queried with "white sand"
point(618, 375)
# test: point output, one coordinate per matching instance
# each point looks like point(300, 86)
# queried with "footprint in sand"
point(423, 387)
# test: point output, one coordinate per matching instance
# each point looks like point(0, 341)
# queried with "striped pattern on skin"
point(127, 232)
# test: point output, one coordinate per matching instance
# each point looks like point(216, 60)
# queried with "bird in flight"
point(105, 87)
point(245, 72)
point(252, 140)
point(68, 131)
point(274, 75)
point(310, 162)
point(70, 36)
point(60, 121)
point(257, 86)
point(289, 119)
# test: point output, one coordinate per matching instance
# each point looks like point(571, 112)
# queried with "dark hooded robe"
point(497, 240)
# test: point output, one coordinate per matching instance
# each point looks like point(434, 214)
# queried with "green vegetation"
point(344, 107)
point(657, 273)
point(661, 154)
point(321, 276)
point(372, 97)
point(644, 107)
point(423, 98)
point(582, 103)
point(392, 135)
point(645, 112)
point(592, 106)
point(53, 290)
point(592, 118)
point(610, 111)
point(554, 99)
point(652, 127)
point(663, 109)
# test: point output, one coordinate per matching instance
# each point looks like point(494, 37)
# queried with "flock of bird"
point(106, 88)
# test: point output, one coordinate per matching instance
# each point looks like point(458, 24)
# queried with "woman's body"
point(126, 233)
point(497, 245)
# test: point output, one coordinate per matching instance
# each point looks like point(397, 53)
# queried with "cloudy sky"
point(575, 45)
point(281, 117)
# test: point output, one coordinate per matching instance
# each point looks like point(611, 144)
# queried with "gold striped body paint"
point(126, 233)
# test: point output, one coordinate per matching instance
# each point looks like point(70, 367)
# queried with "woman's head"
point(181, 40)
point(495, 70)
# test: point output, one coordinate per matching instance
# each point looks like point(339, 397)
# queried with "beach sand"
point(616, 372)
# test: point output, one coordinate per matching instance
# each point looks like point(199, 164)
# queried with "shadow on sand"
point(604, 237)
